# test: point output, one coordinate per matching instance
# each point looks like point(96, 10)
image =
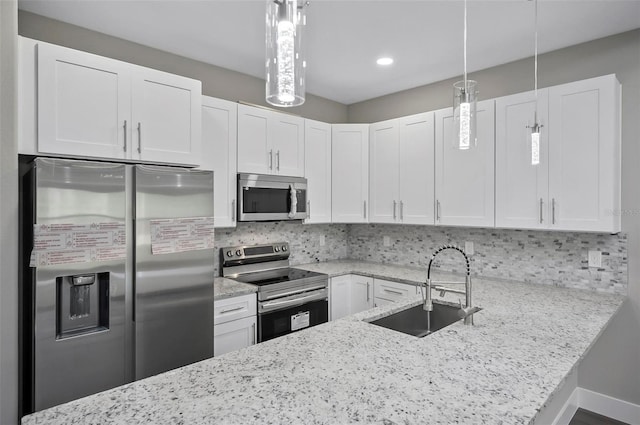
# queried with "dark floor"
point(585, 417)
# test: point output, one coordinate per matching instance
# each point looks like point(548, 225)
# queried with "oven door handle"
point(279, 305)
point(296, 291)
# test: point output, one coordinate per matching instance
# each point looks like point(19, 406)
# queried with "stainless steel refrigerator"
point(117, 276)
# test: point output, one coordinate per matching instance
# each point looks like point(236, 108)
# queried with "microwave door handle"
point(294, 201)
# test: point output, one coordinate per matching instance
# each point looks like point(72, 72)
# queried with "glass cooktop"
point(271, 277)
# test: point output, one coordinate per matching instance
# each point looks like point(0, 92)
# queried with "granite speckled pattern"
point(531, 256)
point(527, 339)
point(227, 288)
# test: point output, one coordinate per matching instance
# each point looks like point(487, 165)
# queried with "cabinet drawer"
point(392, 291)
point(234, 335)
point(229, 309)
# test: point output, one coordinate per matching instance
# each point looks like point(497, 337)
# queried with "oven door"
point(290, 319)
point(263, 198)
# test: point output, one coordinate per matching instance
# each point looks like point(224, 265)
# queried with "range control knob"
point(284, 248)
point(238, 252)
point(277, 249)
point(229, 254)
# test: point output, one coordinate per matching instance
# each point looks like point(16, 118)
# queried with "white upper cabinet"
point(384, 183)
point(84, 103)
point(219, 127)
point(584, 155)
point(93, 106)
point(401, 170)
point(270, 142)
point(317, 169)
point(522, 189)
point(416, 168)
point(166, 117)
point(576, 186)
point(349, 173)
point(464, 180)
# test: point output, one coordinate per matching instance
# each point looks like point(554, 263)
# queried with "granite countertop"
point(526, 341)
point(228, 288)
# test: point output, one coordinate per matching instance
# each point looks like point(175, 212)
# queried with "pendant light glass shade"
point(285, 62)
point(464, 103)
point(464, 114)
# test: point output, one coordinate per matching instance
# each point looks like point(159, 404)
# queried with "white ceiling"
point(344, 38)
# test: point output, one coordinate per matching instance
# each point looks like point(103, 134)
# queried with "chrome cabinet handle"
point(541, 203)
point(230, 310)
point(553, 211)
point(437, 210)
point(278, 160)
point(233, 210)
point(394, 209)
point(253, 333)
point(139, 138)
point(393, 292)
point(125, 136)
point(401, 210)
point(365, 209)
point(368, 297)
point(271, 159)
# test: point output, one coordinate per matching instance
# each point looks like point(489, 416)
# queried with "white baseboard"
point(613, 408)
point(601, 404)
point(568, 410)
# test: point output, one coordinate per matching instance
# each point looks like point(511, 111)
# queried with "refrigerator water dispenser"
point(82, 304)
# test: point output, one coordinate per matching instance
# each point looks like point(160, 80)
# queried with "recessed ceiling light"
point(384, 61)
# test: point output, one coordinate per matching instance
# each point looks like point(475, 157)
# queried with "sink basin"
point(413, 321)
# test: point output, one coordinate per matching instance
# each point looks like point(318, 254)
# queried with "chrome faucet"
point(465, 312)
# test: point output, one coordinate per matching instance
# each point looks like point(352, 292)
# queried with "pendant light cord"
point(535, 58)
point(465, 45)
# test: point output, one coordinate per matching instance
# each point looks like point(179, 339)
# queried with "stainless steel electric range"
point(289, 299)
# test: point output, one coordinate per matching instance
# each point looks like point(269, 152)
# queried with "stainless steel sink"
point(414, 320)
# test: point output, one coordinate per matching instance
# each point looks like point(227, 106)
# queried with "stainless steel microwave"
point(263, 197)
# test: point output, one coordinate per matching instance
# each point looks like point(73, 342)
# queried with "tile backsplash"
point(304, 239)
point(551, 258)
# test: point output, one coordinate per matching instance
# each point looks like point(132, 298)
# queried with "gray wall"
point(611, 367)
point(217, 82)
point(8, 214)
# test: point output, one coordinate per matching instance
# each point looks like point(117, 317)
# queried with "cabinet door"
point(349, 173)
point(219, 126)
point(317, 169)
point(521, 188)
point(416, 169)
point(584, 155)
point(340, 297)
point(383, 172)
point(361, 293)
point(166, 117)
point(232, 336)
point(286, 134)
point(254, 152)
point(84, 103)
point(465, 178)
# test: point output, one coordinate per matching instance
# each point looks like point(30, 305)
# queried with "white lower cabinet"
point(235, 324)
point(349, 294)
point(387, 291)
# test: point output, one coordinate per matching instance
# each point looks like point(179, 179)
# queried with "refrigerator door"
point(173, 306)
point(75, 300)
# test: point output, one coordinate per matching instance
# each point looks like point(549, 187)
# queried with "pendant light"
point(285, 63)
point(464, 103)
point(536, 127)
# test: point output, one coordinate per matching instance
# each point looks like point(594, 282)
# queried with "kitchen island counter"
point(526, 341)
